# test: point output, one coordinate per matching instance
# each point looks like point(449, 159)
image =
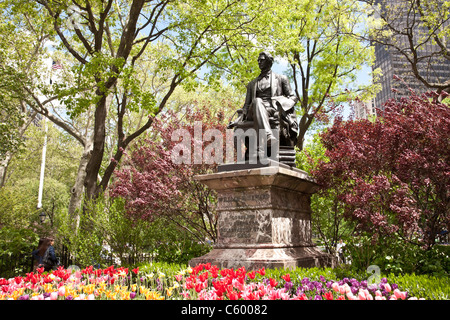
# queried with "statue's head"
point(265, 60)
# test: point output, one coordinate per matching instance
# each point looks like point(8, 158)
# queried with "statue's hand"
point(241, 114)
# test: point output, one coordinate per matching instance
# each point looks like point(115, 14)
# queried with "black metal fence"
point(20, 264)
point(13, 265)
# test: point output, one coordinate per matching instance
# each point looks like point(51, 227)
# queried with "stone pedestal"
point(264, 219)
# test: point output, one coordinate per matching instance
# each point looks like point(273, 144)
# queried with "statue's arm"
point(248, 99)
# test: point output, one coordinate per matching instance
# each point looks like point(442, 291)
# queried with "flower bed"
point(203, 282)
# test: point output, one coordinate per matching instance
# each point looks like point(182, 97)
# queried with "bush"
point(105, 225)
point(106, 236)
point(392, 173)
point(16, 246)
point(180, 250)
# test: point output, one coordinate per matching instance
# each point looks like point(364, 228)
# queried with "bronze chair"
point(287, 127)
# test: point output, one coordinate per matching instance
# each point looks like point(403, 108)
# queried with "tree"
point(111, 50)
point(156, 179)
point(319, 40)
point(20, 194)
point(20, 56)
point(328, 219)
point(393, 173)
point(417, 31)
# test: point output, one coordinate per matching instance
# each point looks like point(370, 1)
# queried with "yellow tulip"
point(124, 295)
point(110, 295)
point(48, 287)
point(15, 295)
point(152, 295)
point(89, 289)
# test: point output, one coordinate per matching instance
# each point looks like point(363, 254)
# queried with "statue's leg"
point(261, 116)
point(262, 110)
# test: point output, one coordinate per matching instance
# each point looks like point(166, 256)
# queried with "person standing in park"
point(37, 257)
point(340, 250)
point(47, 252)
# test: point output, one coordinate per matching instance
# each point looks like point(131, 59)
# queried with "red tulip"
point(286, 278)
point(273, 282)
point(328, 295)
point(262, 271)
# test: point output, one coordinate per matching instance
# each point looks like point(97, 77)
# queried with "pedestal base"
point(269, 258)
point(264, 219)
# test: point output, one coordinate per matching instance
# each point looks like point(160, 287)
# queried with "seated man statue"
point(269, 104)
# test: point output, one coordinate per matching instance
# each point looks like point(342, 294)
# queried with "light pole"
point(41, 179)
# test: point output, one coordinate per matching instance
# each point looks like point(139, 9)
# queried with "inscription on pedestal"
point(244, 227)
point(237, 199)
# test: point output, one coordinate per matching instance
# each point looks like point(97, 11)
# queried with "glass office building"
point(431, 64)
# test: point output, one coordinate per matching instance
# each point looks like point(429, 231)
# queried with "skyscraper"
point(410, 44)
point(363, 109)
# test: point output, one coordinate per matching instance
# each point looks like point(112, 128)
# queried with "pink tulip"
point(343, 289)
point(284, 296)
point(347, 288)
point(351, 296)
point(378, 293)
point(361, 295)
point(62, 291)
point(387, 287)
point(335, 286)
point(54, 295)
point(367, 294)
point(380, 298)
point(400, 294)
point(91, 297)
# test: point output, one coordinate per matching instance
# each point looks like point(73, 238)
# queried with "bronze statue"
point(269, 104)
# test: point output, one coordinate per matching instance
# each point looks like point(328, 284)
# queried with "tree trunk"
point(303, 126)
point(95, 161)
point(4, 168)
point(78, 188)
